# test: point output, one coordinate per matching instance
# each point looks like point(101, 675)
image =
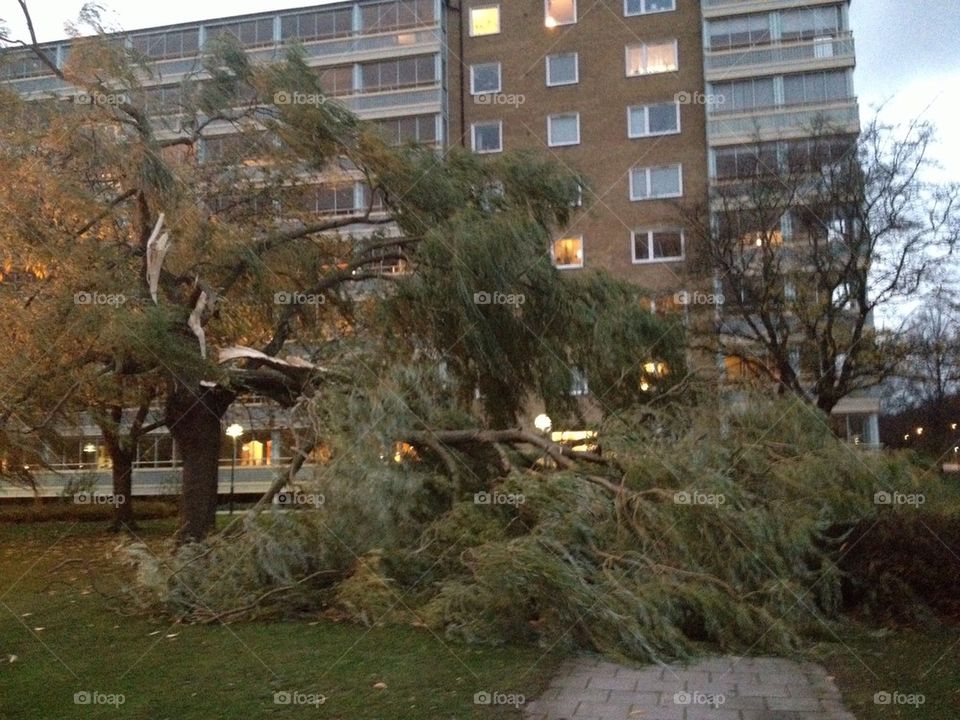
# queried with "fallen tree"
point(719, 529)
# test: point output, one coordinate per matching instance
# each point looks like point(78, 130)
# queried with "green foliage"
point(727, 535)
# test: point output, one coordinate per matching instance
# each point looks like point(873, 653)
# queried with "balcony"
point(778, 58)
point(791, 121)
point(720, 8)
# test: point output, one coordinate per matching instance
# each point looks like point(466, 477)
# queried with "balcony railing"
point(840, 116)
point(841, 47)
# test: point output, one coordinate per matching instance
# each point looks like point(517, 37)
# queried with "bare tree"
point(807, 239)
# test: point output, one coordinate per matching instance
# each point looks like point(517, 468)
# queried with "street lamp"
point(233, 431)
point(543, 423)
point(919, 431)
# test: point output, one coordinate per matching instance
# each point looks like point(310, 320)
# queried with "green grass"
point(51, 575)
point(908, 661)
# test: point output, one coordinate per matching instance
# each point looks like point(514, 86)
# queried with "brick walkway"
point(724, 688)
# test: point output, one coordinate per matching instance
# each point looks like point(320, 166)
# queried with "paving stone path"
point(723, 688)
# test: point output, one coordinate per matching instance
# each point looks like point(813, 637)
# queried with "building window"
point(563, 69)
point(484, 20)
point(643, 7)
point(742, 31)
point(657, 245)
point(559, 12)
point(419, 129)
point(656, 182)
point(395, 15)
point(394, 74)
point(484, 78)
point(647, 120)
point(563, 129)
point(578, 383)
point(648, 59)
point(316, 25)
point(568, 252)
point(488, 137)
point(249, 33)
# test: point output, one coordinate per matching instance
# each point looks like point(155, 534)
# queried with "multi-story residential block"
point(652, 102)
point(608, 90)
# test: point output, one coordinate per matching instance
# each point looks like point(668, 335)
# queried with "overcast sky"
point(908, 53)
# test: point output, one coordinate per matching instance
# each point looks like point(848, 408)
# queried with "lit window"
point(563, 129)
point(484, 78)
point(642, 7)
point(563, 69)
point(657, 245)
point(559, 12)
point(578, 383)
point(488, 137)
point(656, 182)
point(568, 252)
point(647, 120)
point(484, 20)
point(647, 59)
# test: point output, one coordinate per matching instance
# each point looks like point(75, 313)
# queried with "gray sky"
point(908, 53)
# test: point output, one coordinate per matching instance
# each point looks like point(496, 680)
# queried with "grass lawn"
point(67, 639)
point(908, 662)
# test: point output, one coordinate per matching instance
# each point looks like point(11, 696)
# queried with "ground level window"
point(488, 137)
point(568, 252)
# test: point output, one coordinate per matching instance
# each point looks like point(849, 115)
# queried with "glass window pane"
point(564, 129)
point(667, 244)
point(664, 181)
point(661, 58)
point(663, 118)
point(641, 246)
point(485, 20)
point(568, 252)
point(486, 78)
point(486, 137)
point(638, 121)
point(560, 12)
point(562, 69)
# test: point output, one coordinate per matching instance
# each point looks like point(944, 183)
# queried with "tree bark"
point(193, 416)
point(122, 461)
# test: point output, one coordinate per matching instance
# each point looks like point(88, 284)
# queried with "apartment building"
point(653, 102)
point(780, 94)
point(607, 89)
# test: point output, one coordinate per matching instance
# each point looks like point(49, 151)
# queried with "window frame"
point(648, 172)
point(553, 253)
point(646, 46)
point(473, 136)
point(546, 14)
point(576, 69)
point(649, 232)
point(473, 88)
point(646, 121)
point(644, 11)
point(550, 120)
point(488, 6)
